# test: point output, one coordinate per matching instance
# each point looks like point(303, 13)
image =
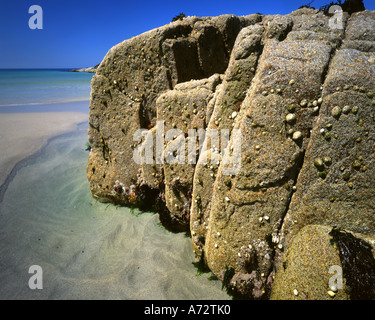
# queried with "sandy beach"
point(22, 134)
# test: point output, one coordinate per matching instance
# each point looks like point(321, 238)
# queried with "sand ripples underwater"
point(87, 249)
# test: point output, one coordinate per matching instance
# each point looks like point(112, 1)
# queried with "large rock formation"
point(299, 90)
point(131, 78)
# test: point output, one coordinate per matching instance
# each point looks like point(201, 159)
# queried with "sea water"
point(35, 87)
point(85, 249)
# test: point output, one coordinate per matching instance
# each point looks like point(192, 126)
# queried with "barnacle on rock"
point(290, 118)
point(297, 136)
point(318, 162)
point(336, 112)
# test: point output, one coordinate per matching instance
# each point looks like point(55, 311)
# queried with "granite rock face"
point(293, 94)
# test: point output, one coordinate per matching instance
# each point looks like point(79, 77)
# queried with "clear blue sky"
point(79, 33)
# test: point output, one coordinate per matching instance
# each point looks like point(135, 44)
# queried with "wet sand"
point(24, 133)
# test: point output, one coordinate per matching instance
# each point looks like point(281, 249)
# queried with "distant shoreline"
point(89, 69)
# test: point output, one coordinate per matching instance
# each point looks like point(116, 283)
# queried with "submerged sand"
point(22, 134)
point(87, 249)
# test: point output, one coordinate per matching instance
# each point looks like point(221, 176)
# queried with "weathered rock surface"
point(300, 92)
point(183, 108)
point(129, 81)
point(251, 209)
point(227, 104)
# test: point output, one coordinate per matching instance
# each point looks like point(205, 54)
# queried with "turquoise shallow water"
point(87, 249)
point(32, 87)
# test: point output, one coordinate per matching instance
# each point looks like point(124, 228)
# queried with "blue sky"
point(79, 33)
